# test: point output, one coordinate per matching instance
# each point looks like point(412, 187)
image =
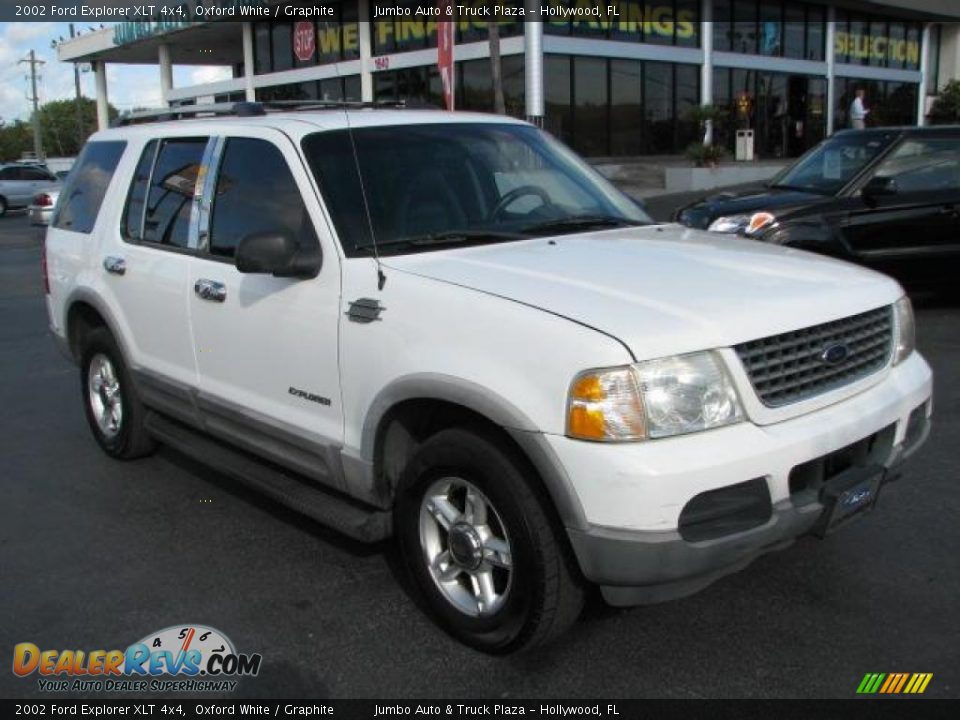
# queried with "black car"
point(888, 198)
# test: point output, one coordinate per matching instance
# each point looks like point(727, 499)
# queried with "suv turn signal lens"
point(605, 405)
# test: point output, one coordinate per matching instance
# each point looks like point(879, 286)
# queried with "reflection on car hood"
point(665, 289)
point(701, 213)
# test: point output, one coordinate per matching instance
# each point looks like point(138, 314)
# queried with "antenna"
point(381, 278)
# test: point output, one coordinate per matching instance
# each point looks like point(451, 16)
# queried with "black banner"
point(463, 709)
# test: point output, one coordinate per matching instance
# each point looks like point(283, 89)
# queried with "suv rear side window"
point(87, 185)
point(171, 191)
point(133, 213)
point(256, 193)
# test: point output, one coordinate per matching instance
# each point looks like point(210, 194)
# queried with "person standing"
point(858, 113)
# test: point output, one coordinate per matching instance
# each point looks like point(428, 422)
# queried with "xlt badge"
point(297, 392)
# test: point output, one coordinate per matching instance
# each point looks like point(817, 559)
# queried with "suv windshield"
point(430, 186)
point(833, 163)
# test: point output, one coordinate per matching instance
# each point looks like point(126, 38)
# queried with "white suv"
point(449, 330)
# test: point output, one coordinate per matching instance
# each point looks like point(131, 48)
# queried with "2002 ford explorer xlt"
point(449, 330)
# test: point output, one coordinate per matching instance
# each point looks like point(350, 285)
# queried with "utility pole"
point(76, 83)
point(37, 143)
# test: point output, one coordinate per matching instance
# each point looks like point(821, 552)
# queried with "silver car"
point(20, 183)
point(41, 207)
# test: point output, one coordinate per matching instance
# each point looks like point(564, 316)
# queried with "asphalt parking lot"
point(96, 554)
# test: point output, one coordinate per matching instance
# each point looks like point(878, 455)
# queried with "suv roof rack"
point(252, 109)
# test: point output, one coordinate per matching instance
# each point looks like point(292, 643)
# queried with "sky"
point(128, 86)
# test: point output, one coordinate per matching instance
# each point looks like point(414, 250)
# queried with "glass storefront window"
point(591, 106)
point(556, 96)
point(722, 28)
point(816, 32)
point(687, 23)
point(261, 48)
point(794, 27)
point(771, 25)
point(282, 44)
point(744, 39)
point(878, 43)
point(658, 107)
point(626, 107)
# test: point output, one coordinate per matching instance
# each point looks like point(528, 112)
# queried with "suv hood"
point(703, 212)
point(662, 290)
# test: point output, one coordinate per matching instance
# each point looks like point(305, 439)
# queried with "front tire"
point(112, 407)
point(3, 206)
point(480, 547)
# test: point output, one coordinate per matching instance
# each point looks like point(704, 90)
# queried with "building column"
point(248, 61)
point(533, 68)
point(166, 73)
point(831, 61)
point(706, 70)
point(365, 28)
point(924, 73)
point(100, 75)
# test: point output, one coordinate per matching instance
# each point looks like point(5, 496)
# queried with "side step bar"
point(340, 513)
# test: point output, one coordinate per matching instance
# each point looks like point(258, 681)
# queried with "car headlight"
point(906, 330)
point(749, 224)
point(653, 399)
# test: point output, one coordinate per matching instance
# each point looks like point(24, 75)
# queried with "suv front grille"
point(794, 366)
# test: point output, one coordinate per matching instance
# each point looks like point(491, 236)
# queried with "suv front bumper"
point(633, 495)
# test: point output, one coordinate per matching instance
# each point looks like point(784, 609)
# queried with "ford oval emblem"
point(835, 354)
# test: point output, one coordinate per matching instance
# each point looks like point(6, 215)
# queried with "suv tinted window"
point(133, 214)
point(256, 193)
point(924, 165)
point(87, 185)
point(171, 190)
point(10, 173)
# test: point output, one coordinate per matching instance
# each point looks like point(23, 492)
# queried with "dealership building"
point(618, 83)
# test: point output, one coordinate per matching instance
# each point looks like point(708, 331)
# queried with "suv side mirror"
point(277, 254)
point(879, 186)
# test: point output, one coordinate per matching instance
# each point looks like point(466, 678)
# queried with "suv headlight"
point(653, 399)
point(906, 332)
point(749, 224)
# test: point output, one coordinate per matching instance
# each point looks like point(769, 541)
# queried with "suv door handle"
point(210, 290)
point(115, 265)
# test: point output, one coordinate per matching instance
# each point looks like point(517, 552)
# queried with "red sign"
point(445, 39)
point(304, 41)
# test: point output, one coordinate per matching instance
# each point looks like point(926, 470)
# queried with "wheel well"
point(82, 318)
point(409, 423)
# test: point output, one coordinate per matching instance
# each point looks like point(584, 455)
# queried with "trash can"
point(744, 145)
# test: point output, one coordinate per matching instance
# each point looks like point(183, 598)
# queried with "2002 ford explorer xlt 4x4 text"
point(447, 329)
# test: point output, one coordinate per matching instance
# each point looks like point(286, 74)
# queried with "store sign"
point(854, 46)
point(304, 41)
point(625, 20)
point(128, 32)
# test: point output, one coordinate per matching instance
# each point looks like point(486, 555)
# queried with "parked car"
point(888, 198)
point(448, 330)
point(41, 207)
point(20, 182)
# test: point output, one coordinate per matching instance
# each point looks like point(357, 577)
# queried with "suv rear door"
point(266, 346)
point(146, 268)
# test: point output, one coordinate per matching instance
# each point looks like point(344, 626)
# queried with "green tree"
point(16, 138)
point(946, 108)
point(59, 129)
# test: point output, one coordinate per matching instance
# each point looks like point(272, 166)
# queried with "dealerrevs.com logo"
point(180, 658)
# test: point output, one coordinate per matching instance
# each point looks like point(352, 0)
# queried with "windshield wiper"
point(447, 237)
point(580, 222)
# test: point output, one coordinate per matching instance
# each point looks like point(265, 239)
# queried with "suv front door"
point(266, 346)
point(907, 220)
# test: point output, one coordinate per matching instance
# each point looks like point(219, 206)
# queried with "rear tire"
point(110, 401)
point(492, 568)
point(3, 206)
